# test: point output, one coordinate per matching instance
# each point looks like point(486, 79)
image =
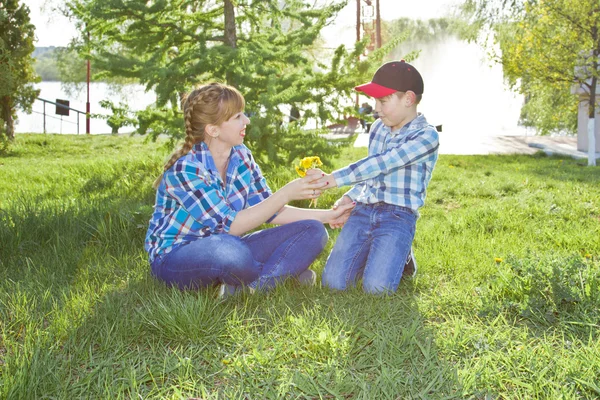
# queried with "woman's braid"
point(191, 137)
point(201, 107)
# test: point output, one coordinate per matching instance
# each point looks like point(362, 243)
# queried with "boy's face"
point(394, 109)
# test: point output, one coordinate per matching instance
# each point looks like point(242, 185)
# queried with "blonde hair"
point(209, 104)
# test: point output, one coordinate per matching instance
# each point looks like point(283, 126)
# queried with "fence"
point(62, 109)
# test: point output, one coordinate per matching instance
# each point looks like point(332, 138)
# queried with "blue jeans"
point(373, 244)
point(259, 259)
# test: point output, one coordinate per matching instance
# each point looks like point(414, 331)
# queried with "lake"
point(133, 95)
point(464, 92)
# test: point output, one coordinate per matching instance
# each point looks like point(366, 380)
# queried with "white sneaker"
point(226, 290)
point(410, 268)
point(308, 278)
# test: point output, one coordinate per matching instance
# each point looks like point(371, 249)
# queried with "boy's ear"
point(410, 98)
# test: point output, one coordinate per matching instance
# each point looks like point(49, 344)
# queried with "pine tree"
point(262, 47)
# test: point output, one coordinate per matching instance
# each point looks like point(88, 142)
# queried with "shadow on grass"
point(83, 318)
point(144, 340)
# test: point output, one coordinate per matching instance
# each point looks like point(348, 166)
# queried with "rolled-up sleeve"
point(200, 197)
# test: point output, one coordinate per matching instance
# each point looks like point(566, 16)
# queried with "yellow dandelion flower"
point(588, 255)
point(304, 165)
point(498, 259)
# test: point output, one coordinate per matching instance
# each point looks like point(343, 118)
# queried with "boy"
point(389, 187)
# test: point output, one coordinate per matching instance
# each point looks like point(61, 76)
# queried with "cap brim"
point(374, 90)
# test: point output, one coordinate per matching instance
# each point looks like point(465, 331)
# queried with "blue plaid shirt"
point(398, 167)
point(193, 202)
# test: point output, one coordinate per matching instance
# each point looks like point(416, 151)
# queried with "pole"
point(358, 20)
point(44, 116)
point(377, 26)
point(591, 142)
point(357, 32)
point(87, 104)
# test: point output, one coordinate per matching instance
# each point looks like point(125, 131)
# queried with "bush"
point(545, 290)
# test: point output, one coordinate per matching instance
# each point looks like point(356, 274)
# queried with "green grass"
point(505, 305)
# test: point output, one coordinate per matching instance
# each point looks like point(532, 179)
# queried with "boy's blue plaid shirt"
point(192, 200)
point(398, 167)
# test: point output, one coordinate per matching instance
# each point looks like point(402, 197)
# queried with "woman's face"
point(233, 130)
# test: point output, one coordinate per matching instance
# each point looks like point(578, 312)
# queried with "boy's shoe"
point(308, 278)
point(410, 268)
point(226, 290)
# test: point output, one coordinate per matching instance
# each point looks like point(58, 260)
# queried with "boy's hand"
point(341, 219)
point(326, 181)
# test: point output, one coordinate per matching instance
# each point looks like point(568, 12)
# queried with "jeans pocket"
point(403, 214)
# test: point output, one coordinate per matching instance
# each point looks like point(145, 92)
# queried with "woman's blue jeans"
point(373, 244)
point(259, 259)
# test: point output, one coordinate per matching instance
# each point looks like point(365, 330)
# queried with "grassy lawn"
point(505, 305)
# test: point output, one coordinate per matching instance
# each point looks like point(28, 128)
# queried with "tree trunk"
point(7, 117)
point(230, 35)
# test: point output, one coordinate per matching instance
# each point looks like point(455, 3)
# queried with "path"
point(501, 144)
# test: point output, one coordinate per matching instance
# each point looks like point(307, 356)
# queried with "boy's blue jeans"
point(373, 244)
point(259, 259)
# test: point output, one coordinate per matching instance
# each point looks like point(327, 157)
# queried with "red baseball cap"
point(391, 77)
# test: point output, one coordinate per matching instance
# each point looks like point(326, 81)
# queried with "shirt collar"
point(201, 153)
point(417, 123)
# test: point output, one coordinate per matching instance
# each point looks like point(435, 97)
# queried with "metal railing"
point(59, 107)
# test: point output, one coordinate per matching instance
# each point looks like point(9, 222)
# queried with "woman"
point(212, 192)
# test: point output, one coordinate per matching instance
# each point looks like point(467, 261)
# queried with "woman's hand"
point(341, 212)
point(305, 188)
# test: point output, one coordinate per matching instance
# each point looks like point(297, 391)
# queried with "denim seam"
point(347, 280)
point(398, 275)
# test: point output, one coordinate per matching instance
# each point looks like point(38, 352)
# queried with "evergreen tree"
point(262, 47)
point(16, 64)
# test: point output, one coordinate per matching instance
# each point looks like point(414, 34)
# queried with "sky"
point(53, 29)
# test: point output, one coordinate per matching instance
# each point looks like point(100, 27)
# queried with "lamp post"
point(377, 25)
point(364, 15)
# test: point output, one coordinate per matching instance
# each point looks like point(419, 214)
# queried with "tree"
point(119, 117)
point(546, 48)
point(16, 64)
point(260, 46)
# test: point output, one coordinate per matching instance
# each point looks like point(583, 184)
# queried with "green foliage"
point(542, 290)
point(16, 64)
point(119, 117)
point(546, 48)
point(421, 30)
point(171, 46)
point(547, 111)
point(46, 64)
